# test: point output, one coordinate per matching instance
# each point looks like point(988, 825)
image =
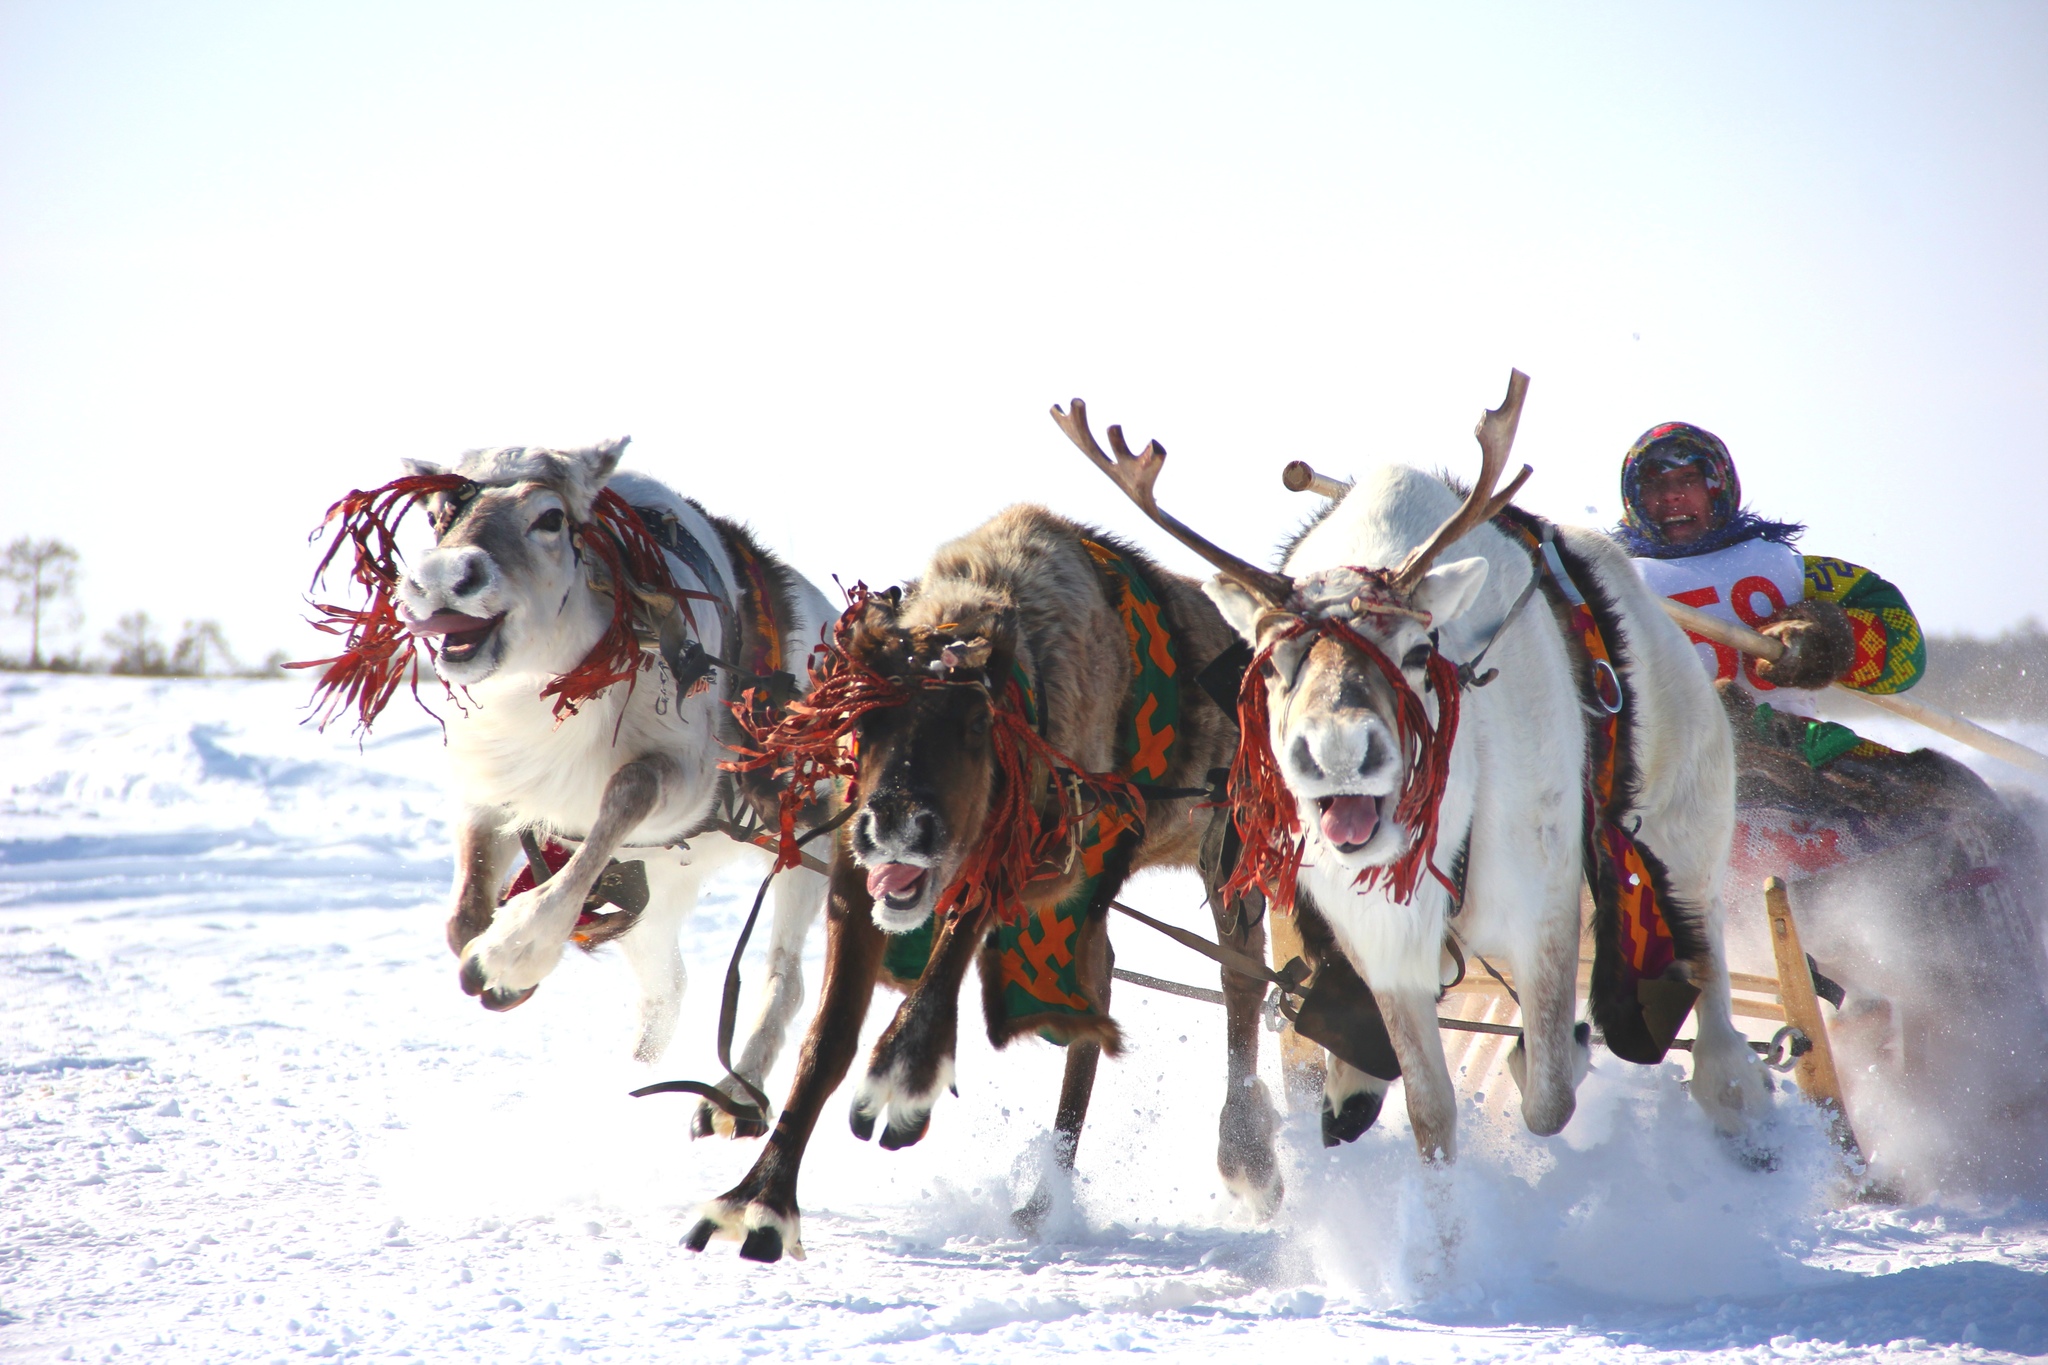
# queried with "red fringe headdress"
point(1265, 810)
point(1020, 842)
point(378, 651)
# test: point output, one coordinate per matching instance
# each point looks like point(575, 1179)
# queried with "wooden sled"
point(1781, 1015)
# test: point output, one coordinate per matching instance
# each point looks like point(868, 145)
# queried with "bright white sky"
point(830, 264)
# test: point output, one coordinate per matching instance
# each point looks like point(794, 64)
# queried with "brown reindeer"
point(1014, 768)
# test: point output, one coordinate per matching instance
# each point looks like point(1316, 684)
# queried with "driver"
point(1915, 884)
point(1694, 542)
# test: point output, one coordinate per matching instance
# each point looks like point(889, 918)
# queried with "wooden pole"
point(1933, 717)
point(1301, 477)
point(1815, 1072)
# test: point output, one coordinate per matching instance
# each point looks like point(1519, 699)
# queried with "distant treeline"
point(44, 575)
point(2000, 679)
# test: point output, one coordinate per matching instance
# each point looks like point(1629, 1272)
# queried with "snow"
point(249, 1116)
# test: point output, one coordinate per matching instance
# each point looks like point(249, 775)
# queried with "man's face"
point(1678, 503)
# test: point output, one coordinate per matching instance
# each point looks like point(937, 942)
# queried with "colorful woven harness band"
point(1636, 932)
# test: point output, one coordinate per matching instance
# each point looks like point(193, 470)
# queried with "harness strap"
point(670, 533)
point(1637, 1008)
point(755, 1109)
point(757, 598)
point(1468, 672)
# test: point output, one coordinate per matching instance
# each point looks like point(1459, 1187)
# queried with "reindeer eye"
point(1417, 658)
point(549, 521)
point(977, 723)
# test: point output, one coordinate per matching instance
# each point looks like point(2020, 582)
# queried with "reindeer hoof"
point(701, 1235)
point(895, 1139)
point(762, 1244)
point(1359, 1113)
point(471, 976)
point(1030, 1218)
point(498, 1001)
point(711, 1121)
point(862, 1122)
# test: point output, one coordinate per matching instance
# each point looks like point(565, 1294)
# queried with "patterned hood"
point(1668, 446)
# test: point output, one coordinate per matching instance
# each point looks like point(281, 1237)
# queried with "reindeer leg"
point(799, 895)
point(1093, 959)
point(653, 953)
point(913, 1059)
point(483, 848)
point(1244, 1141)
point(1432, 1104)
point(761, 1212)
point(1727, 1080)
point(1552, 1056)
point(1352, 1099)
point(506, 962)
point(1077, 1083)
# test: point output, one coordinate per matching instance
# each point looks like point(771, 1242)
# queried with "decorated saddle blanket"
point(1037, 987)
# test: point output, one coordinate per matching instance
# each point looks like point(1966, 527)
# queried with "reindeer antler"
point(1136, 474)
point(1496, 433)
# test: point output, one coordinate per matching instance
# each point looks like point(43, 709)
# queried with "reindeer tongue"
point(893, 878)
point(443, 623)
point(1350, 820)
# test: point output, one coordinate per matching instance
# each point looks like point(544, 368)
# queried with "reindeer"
point(585, 714)
point(987, 700)
point(1369, 728)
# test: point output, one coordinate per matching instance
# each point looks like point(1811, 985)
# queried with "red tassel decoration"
point(1019, 843)
point(1267, 814)
point(378, 652)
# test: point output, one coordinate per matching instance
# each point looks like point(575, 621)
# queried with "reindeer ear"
point(878, 617)
point(422, 467)
point(593, 464)
point(1240, 607)
point(605, 456)
point(1448, 591)
point(584, 472)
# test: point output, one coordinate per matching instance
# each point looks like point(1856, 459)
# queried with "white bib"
point(1746, 583)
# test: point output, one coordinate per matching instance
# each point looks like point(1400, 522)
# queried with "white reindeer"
point(517, 598)
point(1515, 796)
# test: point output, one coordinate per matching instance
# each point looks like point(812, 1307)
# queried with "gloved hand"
point(1820, 645)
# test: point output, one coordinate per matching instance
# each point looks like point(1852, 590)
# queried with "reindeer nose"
point(473, 577)
point(899, 824)
point(449, 575)
point(1341, 749)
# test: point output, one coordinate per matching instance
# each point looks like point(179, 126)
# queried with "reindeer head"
point(505, 588)
point(1348, 665)
point(929, 772)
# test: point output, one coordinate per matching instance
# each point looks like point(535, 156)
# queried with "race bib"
point(1747, 583)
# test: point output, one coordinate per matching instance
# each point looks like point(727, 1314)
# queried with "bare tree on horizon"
point(136, 646)
point(44, 572)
